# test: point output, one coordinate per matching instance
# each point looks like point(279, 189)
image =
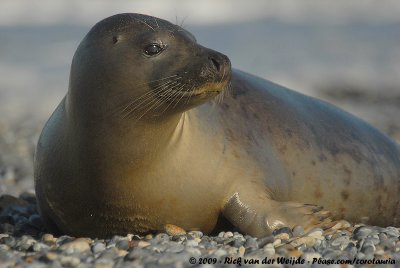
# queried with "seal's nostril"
point(216, 63)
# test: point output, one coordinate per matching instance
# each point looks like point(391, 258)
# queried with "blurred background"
point(346, 52)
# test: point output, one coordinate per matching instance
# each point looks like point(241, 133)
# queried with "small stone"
point(38, 247)
point(78, 245)
point(122, 244)
point(4, 247)
point(121, 252)
point(135, 254)
point(368, 249)
point(161, 237)
point(64, 239)
point(220, 252)
point(277, 242)
point(340, 242)
point(351, 250)
point(98, 247)
point(284, 230)
point(143, 244)
point(373, 238)
point(195, 234)
point(269, 249)
point(238, 241)
point(342, 224)
point(69, 261)
point(265, 240)
point(282, 251)
point(191, 243)
point(26, 243)
point(175, 248)
point(282, 236)
point(388, 243)
point(316, 233)
point(392, 231)
point(332, 254)
point(109, 253)
point(295, 253)
point(174, 230)
point(298, 231)
point(360, 256)
point(48, 239)
point(306, 240)
point(379, 251)
point(103, 264)
point(179, 238)
point(362, 232)
point(148, 237)
point(241, 251)
point(193, 251)
point(231, 251)
point(310, 256)
point(251, 243)
point(228, 235)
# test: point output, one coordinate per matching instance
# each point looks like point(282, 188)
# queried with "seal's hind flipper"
point(259, 215)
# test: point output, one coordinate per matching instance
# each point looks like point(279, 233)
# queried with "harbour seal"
point(137, 143)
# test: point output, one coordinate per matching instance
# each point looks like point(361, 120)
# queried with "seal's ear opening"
point(223, 225)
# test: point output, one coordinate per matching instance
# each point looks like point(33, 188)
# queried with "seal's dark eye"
point(153, 49)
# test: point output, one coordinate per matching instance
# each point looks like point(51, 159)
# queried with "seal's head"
point(144, 67)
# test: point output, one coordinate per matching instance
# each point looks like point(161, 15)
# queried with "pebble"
point(309, 241)
point(122, 244)
point(251, 243)
point(282, 233)
point(342, 224)
point(69, 261)
point(48, 239)
point(78, 245)
point(265, 240)
point(38, 247)
point(298, 231)
point(269, 249)
point(174, 230)
point(191, 243)
point(340, 242)
point(98, 247)
point(316, 233)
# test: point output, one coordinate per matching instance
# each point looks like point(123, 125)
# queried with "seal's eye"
point(153, 49)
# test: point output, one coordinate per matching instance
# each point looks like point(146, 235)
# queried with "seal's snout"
point(215, 62)
point(219, 64)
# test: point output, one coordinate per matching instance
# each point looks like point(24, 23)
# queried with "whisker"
point(174, 95)
point(145, 24)
point(147, 95)
point(155, 101)
point(155, 19)
point(156, 80)
point(191, 94)
point(180, 97)
point(145, 101)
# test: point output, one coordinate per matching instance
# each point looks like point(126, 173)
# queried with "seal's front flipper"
point(258, 215)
